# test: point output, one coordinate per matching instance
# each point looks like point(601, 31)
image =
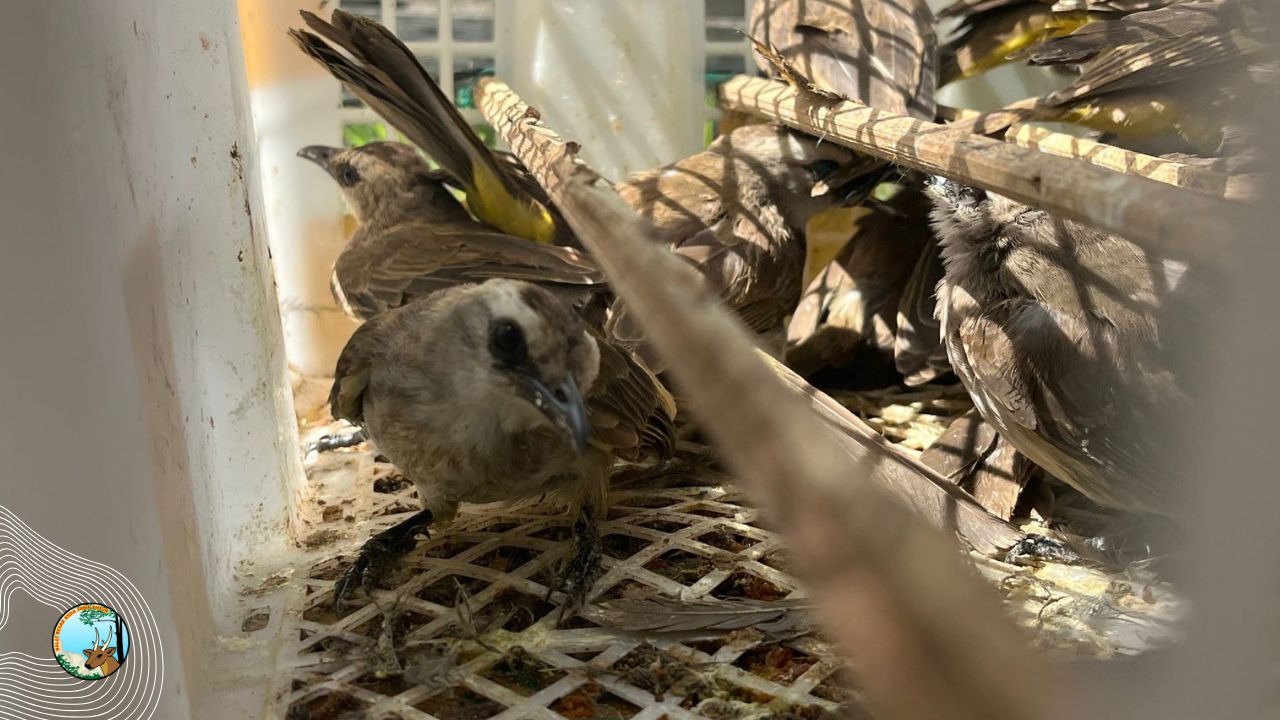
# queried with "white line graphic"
point(36, 688)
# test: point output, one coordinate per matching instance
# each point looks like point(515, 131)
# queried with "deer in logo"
point(100, 655)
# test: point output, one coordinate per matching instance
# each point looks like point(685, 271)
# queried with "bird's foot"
point(583, 568)
point(1033, 548)
point(326, 443)
point(378, 555)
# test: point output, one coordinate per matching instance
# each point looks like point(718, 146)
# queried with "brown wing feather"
point(1087, 394)
point(392, 82)
point(1102, 421)
point(880, 53)
point(416, 259)
point(352, 375)
point(1180, 20)
point(1167, 45)
point(918, 351)
point(969, 8)
point(636, 408)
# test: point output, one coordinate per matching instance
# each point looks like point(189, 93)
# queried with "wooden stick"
point(927, 637)
point(1162, 218)
point(1129, 162)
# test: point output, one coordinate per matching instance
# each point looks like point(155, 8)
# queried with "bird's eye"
point(348, 175)
point(506, 342)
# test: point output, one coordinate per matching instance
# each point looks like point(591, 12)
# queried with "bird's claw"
point(378, 554)
point(370, 564)
point(583, 569)
point(327, 443)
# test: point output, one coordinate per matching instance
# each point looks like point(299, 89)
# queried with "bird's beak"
point(564, 406)
point(319, 154)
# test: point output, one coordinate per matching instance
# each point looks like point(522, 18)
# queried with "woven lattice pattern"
point(464, 626)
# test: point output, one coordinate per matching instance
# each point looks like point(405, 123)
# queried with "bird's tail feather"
point(385, 74)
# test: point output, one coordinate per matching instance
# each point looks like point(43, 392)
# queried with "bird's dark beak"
point(319, 154)
point(564, 406)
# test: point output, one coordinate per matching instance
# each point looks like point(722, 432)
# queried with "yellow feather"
point(1052, 26)
point(1145, 117)
point(490, 201)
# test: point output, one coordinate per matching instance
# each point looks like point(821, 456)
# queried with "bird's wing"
point(1115, 6)
point(1080, 386)
point(414, 260)
point(354, 371)
point(1177, 21)
point(967, 8)
point(918, 351)
point(753, 263)
point(991, 356)
point(1197, 38)
point(879, 52)
point(758, 274)
point(632, 413)
point(389, 79)
point(748, 253)
point(988, 38)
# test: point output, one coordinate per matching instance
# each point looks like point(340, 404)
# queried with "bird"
point(882, 53)
point(414, 237)
point(867, 320)
point(384, 74)
point(1181, 78)
point(991, 32)
point(736, 211)
point(1073, 343)
point(919, 354)
point(491, 392)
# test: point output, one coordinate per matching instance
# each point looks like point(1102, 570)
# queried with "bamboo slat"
point(1155, 215)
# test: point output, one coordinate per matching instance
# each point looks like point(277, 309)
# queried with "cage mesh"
point(464, 626)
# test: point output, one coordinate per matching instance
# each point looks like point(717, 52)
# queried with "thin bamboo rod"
point(927, 637)
point(1129, 162)
point(1162, 218)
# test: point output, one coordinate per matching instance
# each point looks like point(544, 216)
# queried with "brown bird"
point(388, 77)
point(992, 32)
point(867, 320)
point(879, 52)
point(736, 211)
point(496, 392)
point(1178, 78)
point(918, 352)
point(1073, 343)
point(884, 54)
point(414, 237)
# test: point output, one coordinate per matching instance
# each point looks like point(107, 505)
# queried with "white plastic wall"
point(147, 418)
point(622, 78)
point(295, 104)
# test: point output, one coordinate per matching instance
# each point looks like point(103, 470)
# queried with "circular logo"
point(90, 641)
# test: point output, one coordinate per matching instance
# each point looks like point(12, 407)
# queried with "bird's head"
point(532, 357)
point(971, 215)
point(384, 180)
point(958, 206)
